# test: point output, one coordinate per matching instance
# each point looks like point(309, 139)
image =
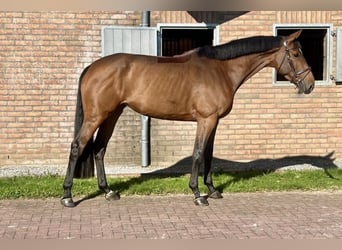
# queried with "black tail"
point(85, 165)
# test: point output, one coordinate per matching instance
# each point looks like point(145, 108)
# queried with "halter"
point(296, 75)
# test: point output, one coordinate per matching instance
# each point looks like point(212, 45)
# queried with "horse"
point(197, 86)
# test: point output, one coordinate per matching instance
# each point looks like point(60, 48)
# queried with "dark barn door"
point(175, 41)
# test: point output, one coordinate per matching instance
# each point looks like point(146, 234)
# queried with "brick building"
point(43, 53)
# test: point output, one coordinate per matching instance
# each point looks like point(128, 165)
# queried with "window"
point(176, 39)
point(316, 45)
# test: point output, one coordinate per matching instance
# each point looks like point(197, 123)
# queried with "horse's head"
point(293, 66)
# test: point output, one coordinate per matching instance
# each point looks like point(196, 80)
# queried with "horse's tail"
point(85, 165)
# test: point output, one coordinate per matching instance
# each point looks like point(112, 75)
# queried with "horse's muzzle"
point(305, 88)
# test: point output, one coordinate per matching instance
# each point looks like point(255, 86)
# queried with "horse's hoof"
point(68, 202)
point(112, 196)
point(215, 195)
point(201, 201)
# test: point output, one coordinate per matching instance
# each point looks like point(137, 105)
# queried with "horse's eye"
point(296, 54)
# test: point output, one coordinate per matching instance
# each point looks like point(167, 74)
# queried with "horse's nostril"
point(310, 89)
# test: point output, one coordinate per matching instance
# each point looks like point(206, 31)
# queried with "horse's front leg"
point(205, 128)
point(197, 158)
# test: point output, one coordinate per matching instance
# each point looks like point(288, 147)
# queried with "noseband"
point(296, 79)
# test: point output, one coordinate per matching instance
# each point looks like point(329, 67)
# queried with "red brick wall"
point(43, 53)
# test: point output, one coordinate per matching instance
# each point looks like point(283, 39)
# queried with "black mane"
point(241, 47)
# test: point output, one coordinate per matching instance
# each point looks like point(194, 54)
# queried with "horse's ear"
point(293, 36)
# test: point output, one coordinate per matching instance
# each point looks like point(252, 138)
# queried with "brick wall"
point(42, 55)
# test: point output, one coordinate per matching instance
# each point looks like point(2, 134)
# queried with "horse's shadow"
point(234, 168)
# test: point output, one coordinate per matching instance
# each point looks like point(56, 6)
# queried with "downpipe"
point(145, 141)
point(145, 120)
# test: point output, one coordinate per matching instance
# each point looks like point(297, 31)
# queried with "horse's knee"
point(198, 157)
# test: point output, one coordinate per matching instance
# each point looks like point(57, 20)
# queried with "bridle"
point(296, 79)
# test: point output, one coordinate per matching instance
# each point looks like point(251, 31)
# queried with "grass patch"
point(250, 181)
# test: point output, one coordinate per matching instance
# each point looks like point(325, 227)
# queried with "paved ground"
point(293, 215)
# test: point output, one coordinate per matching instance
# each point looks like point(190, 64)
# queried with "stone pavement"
point(288, 215)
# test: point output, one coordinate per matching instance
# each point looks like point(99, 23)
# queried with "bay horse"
point(197, 86)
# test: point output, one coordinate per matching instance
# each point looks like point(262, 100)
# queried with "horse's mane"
point(241, 47)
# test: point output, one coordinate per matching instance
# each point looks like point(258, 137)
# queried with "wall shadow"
point(263, 165)
point(234, 168)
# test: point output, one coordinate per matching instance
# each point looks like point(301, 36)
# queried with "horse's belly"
point(162, 109)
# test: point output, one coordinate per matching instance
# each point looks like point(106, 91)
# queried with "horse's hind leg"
point(102, 138)
point(77, 147)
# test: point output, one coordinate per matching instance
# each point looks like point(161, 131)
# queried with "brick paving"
point(288, 215)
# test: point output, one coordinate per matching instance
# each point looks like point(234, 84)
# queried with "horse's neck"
point(249, 66)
